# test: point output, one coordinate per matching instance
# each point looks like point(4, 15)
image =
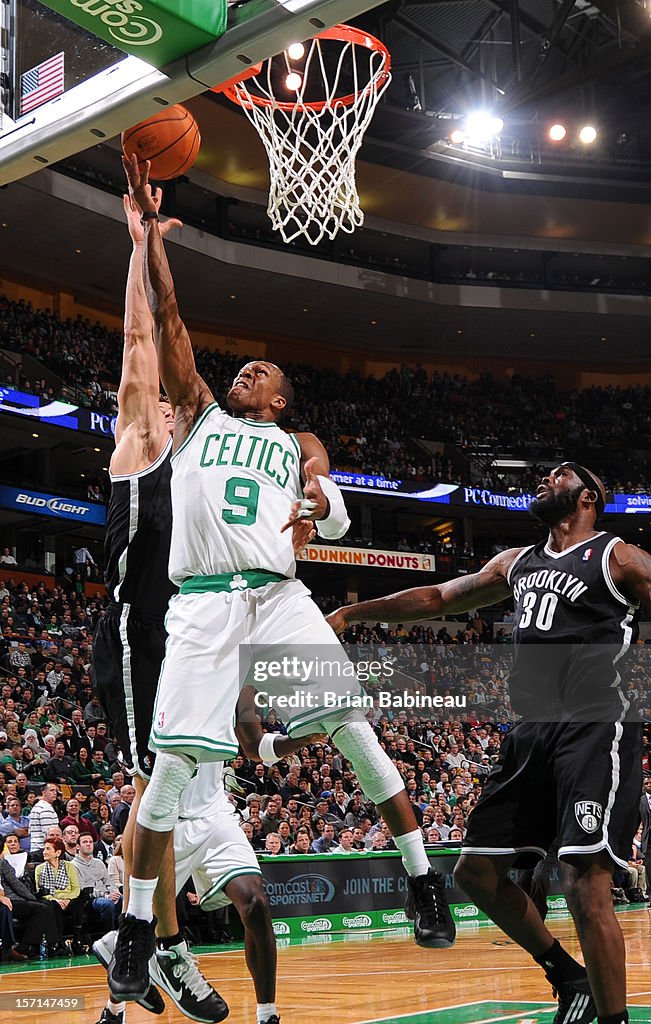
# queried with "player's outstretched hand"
point(302, 533)
point(314, 505)
point(139, 187)
point(337, 620)
point(132, 214)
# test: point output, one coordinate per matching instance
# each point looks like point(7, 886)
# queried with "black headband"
point(587, 478)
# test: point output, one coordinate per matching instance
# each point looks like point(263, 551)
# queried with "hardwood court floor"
point(484, 979)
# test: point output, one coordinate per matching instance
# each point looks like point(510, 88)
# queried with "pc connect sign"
point(52, 505)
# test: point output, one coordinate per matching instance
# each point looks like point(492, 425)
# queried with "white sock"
point(141, 898)
point(115, 1007)
point(412, 848)
point(265, 1010)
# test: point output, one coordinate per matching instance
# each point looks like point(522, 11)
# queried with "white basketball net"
point(312, 152)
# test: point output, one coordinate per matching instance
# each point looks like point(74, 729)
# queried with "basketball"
point(170, 140)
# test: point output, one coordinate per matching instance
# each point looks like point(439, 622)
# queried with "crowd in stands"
point(65, 799)
point(368, 423)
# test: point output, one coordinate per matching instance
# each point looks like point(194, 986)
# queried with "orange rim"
point(338, 33)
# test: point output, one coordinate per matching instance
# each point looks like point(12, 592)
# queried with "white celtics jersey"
point(233, 484)
point(204, 795)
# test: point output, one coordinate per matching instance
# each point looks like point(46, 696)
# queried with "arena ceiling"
point(527, 60)
point(531, 62)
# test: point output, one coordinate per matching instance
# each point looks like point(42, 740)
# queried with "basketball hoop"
point(311, 113)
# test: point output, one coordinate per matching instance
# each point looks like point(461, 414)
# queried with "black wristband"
point(148, 215)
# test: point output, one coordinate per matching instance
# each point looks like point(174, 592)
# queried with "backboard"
point(63, 89)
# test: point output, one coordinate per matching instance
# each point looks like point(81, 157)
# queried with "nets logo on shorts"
point(589, 814)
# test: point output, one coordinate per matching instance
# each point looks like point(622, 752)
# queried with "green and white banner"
point(158, 31)
point(313, 897)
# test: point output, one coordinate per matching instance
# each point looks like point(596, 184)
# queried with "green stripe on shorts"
point(222, 882)
point(183, 742)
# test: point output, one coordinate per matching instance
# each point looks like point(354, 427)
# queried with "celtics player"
point(236, 477)
point(129, 642)
point(570, 769)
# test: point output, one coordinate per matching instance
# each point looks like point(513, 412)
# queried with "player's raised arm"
point(187, 391)
point(486, 587)
point(139, 430)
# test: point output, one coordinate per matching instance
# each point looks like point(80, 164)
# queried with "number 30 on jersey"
point(542, 606)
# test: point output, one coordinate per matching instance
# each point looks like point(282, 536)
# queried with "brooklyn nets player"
point(571, 767)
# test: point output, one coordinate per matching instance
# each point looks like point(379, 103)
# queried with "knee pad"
point(376, 772)
point(159, 806)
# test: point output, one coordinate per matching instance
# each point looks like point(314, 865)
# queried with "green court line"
point(470, 1013)
point(511, 1012)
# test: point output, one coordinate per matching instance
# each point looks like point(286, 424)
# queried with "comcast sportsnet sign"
point(158, 31)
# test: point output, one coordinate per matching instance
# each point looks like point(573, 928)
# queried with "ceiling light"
point(457, 137)
point(587, 134)
point(482, 125)
point(295, 51)
point(97, 449)
point(34, 435)
point(232, 296)
point(557, 132)
point(293, 81)
point(78, 251)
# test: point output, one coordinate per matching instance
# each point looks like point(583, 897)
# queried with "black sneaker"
point(128, 974)
point(111, 1018)
point(575, 1002)
point(274, 1019)
point(176, 971)
point(428, 908)
point(152, 1001)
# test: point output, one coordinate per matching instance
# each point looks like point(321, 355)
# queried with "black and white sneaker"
point(575, 1002)
point(128, 974)
point(103, 949)
point(177, 972)
point(274, 1019)
point(428, 908)
point(111, 1018)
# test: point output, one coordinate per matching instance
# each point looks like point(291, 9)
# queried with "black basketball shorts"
point(579, 783)
point(128, 651)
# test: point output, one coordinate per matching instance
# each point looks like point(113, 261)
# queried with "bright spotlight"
point(587, 134)
point(296, 51)
point(457, 137)
point(293, 81)
point(481, 126)
point(557, 132)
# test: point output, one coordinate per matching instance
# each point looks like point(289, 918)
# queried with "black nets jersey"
point(572, 630)
point(138, 534)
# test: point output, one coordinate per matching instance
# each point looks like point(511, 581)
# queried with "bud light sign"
point(52, 505)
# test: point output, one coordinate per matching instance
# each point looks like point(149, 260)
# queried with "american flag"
point(42, 83)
